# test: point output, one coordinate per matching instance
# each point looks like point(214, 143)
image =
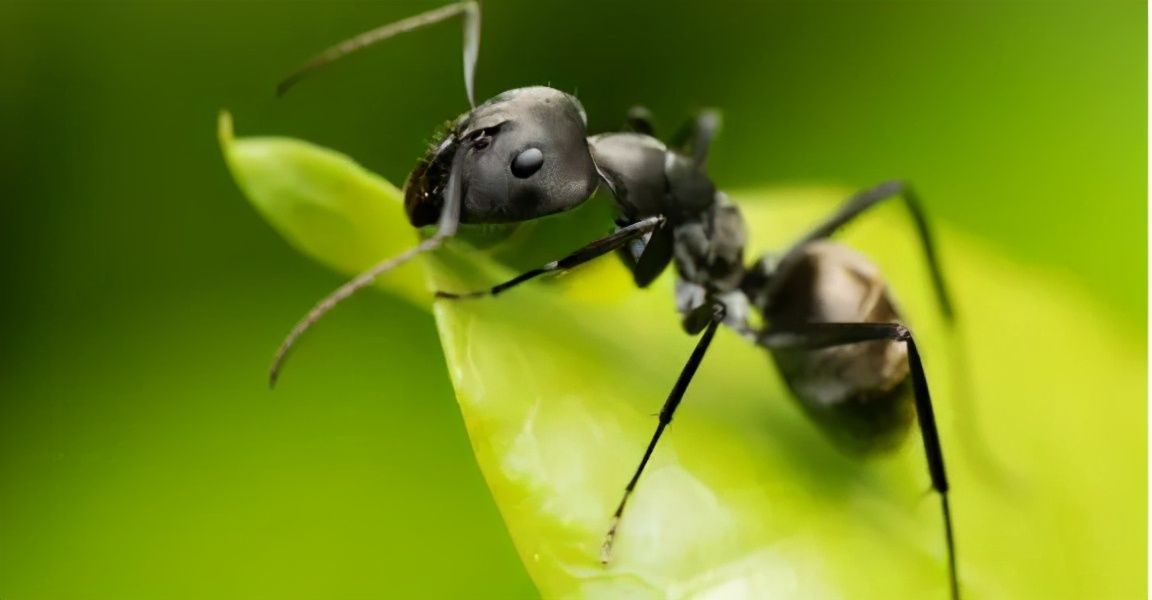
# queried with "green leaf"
point(559, 380)
point(327, 206)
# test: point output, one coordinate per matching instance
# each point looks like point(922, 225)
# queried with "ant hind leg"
point(814, 336)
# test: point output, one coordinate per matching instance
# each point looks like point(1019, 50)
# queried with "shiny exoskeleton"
point(826, 314)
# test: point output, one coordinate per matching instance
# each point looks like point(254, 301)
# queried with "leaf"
point(327, 206)
point(744, 498)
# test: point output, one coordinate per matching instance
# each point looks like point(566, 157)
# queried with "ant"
point(828, 320)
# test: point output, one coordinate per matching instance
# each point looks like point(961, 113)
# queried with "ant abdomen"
point(857, 393)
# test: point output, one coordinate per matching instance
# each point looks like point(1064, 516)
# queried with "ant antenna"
point(445, 228)
point(470, 10)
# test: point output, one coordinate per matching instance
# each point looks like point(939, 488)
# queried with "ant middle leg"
point(716, 310)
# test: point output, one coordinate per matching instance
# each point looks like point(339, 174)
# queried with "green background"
point(141, 455)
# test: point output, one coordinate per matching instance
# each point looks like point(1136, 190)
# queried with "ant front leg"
point(814, 336)
point(593, 250)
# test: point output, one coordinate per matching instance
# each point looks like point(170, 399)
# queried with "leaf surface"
point(558, 382)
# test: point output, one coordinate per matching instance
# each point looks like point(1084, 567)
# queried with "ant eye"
point(527, 162)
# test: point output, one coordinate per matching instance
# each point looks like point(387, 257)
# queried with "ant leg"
point(866, 199)
point(694, 138)
point(813, 336)
point(970, 432)
point(629, 253)
point(640, 120)
point(666, 413)
point(593, 250)
point(654, 258)
point(647, 258)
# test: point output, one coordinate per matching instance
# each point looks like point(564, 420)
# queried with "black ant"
point(829, 322)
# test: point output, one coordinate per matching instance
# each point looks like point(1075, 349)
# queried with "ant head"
point(525, 155)
point(518, 156)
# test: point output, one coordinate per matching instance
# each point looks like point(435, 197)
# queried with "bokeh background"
point(141, 455)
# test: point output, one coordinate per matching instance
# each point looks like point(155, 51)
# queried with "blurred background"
point(141, 455)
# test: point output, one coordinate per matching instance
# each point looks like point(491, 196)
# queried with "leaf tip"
point(224, 128)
